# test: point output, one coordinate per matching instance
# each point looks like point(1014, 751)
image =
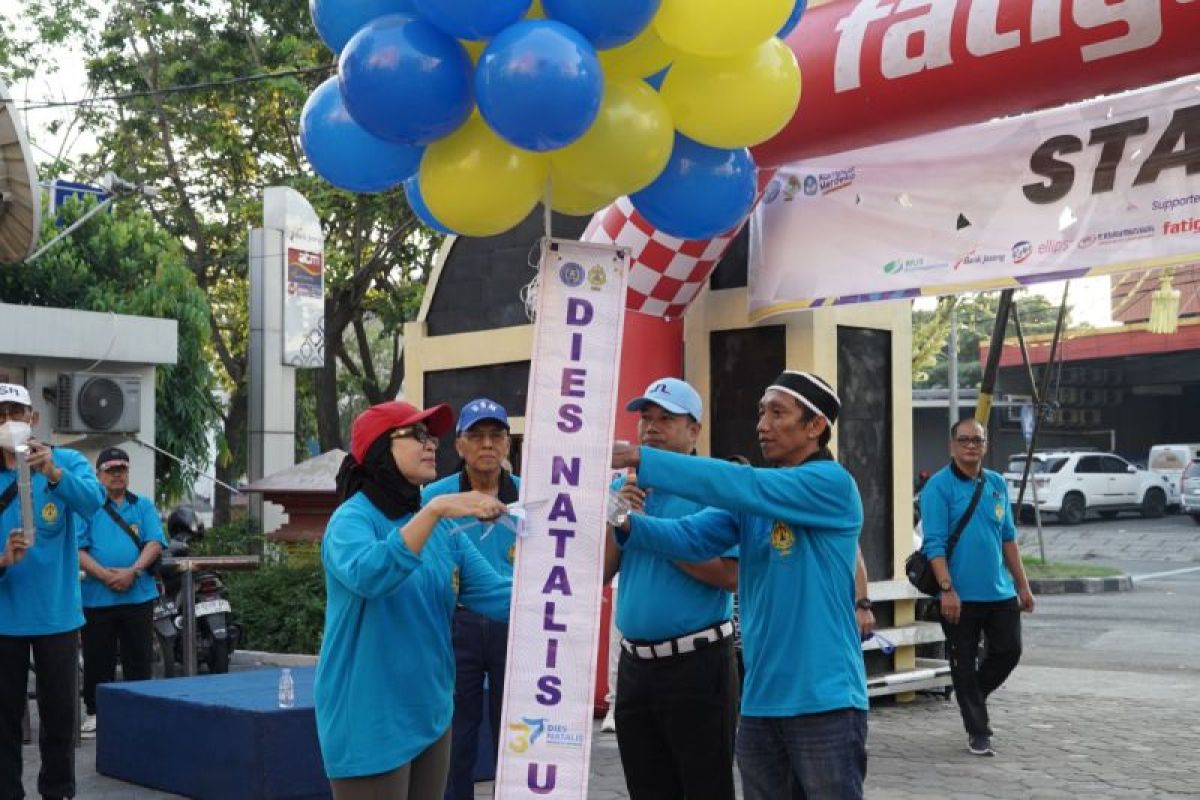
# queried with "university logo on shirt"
point(999, 512)
point(782, 538)
point(49, 513)
point(454, 581)
point(512, 552)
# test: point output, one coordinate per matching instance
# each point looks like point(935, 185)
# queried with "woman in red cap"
point(393, 575)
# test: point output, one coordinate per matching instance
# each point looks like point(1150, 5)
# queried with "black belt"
point(680, 645)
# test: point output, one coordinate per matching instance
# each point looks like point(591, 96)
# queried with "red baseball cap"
point(378, 420)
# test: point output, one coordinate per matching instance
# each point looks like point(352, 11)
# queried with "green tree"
point(121, 261)
point(212, 150)
point(976, 318)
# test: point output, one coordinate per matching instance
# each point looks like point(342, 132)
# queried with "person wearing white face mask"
point(40, 607)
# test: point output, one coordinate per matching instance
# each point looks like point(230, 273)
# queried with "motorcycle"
point(217, 635)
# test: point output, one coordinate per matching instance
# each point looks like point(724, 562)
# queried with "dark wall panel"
point(507, 384)
point(742, 364)
point(864, 436)
point(480, 285)
point(732, 270)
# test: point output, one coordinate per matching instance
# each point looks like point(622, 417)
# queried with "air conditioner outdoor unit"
point(94, 403)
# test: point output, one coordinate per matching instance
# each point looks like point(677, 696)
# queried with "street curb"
point(1115, 583)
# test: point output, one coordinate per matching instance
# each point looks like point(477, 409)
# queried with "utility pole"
point(952, 361)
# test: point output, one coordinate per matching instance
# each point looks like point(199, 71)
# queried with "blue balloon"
point(793, 20)
point(605, 23)
point(412, 190)
point(703, 191)
point(405, 81)
point(539, 85)
point(472, 19)
point(337, 20)
point(656, 80)
point(343, 153)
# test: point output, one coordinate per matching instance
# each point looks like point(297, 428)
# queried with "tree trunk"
point(329, 428)
point(231, 469)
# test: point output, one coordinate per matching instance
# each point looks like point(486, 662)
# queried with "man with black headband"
point(804, 700)
point(480, 644)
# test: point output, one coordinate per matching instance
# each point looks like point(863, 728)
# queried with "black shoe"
point(980, 746)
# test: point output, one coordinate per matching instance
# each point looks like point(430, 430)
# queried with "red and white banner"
point(1093, 188)
point(558, 574)
point(881, 70)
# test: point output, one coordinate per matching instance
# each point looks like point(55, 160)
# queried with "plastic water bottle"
point(287, 689)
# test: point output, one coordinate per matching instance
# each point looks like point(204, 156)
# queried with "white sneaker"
point(609, 725)
point(88, 729)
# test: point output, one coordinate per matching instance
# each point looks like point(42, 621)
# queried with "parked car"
point(1071, 482)
point(1171, 460)
point(1190, 490)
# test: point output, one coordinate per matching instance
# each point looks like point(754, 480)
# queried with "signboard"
point(1099, 187)
point(1027, 423)
point(558, 571)
point(304, 295)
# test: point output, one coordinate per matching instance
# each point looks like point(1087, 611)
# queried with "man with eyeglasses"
point(40, 608)
point(480, 644)
point(116, 550)
point(983, 585)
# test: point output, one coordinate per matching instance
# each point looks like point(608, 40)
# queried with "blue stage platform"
point(213, 737)
point(222, 737)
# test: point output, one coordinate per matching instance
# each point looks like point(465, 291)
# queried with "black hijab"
point(380, 480)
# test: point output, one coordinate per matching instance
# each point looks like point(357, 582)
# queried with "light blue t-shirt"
point(657, 600)
point(385, 680)
point(104, 541)
point(798, 531)
point(40, 595)
point(496, 542)
point(977, 567)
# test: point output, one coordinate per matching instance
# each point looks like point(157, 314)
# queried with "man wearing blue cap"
point(480, 644)
point(677, 680)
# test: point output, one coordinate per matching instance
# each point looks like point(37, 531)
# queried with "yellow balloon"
point(627, 146)
point(737, 101)
point(568, 197)
point(720, 27)
point(643, 56)
point(479, 185)
point(474, 48)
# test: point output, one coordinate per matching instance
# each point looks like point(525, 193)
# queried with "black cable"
point(191, 87)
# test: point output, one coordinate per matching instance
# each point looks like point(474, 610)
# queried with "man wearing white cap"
point(40, 607)
point(677, 678)
point(804, 705)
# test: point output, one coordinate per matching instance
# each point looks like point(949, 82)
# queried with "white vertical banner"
point(558, 573)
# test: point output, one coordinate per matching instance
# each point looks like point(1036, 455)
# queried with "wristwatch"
point(864, 603)
point(946, 586)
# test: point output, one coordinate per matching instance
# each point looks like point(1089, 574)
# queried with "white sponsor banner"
point(558, 575)
point(1097, 187)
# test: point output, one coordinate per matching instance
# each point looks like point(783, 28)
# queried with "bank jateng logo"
point(976, 259)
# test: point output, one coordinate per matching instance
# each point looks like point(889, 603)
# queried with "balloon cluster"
point(474, 105)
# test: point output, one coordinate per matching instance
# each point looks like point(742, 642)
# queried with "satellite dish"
point(20, 198)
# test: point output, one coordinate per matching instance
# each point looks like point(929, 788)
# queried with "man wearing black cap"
point(480, 644)
point(39, 596)
point(804, 700)
point(116, 549)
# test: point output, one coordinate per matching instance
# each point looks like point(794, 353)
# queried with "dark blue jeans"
point(480, 650)
point(811, 756)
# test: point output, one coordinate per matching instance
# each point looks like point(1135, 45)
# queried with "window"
point(1115, 465)
point(1040, 465)
point(1090, 465)
point(1193, 470)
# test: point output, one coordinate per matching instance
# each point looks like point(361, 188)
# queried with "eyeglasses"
point(479, 437)
point(418, 432)
point(978, 441)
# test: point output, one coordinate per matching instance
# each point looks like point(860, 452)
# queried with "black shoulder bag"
point(7, 496)
point(137, 540)
point(917, 567)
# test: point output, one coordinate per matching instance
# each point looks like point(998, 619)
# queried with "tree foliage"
point(212, 151)
point(122, 262)
point(976, 316)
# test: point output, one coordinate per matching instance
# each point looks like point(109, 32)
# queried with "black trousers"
point(676, 721)
point(56, 659)
point(132, 626)
point(999, 624)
